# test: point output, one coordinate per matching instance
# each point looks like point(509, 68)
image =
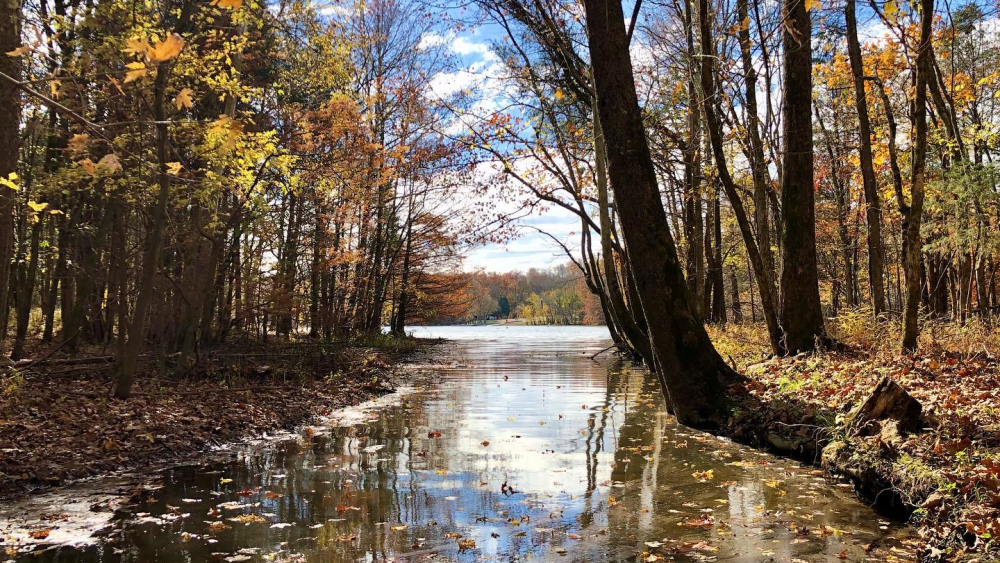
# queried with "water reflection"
point(518, 448)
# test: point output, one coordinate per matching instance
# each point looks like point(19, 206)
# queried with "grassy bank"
point(945, 477)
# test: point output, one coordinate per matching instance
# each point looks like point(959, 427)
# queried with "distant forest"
point(557, 295)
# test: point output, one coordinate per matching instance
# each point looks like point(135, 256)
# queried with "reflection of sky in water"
point(599, 472)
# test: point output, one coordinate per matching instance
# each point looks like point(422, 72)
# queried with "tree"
point(801, 312)
point(693, 375)
point(914, 252)
point(10, 122)
point(873, 210)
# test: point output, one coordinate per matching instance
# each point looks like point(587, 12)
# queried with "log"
point(65, 361)
point(888, 401)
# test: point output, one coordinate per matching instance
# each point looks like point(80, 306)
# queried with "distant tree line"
point(555, 295)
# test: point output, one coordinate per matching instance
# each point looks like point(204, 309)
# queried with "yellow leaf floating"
point(36, 207)
point(22, 50)
point(174, 168)
point(138, 70)
point(228, 130)
point(183, 99)
point(10, 182)
point(166, 49)
point(231, 4)
point(813, 4)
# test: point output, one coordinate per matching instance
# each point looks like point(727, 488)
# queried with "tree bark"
point(801, 313)
point(693, 375)
point(873, 210)
point(128, 359)
point(911, 306)
point(10, 142)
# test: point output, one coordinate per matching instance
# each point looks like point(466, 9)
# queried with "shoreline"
point(57, 433)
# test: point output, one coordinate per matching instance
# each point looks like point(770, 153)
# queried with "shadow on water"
point(516, 448)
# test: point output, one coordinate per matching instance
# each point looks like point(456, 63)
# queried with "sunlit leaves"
point(10, 182)
point(165, 50)
point(174, 168)
point(225, 131)
point(891, 10)
point(230, 4)
point(137, 71)
point(154, 53)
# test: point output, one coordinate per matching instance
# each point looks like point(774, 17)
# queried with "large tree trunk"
point(10, 130)
point(873, 211)
point(693, 375)
point(911, 307)
point(801, 313)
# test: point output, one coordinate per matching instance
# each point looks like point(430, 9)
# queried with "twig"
point(603, 351)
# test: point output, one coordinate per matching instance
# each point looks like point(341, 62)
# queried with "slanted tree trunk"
point(924, 72)
point(873, 210)
point(693, 375)
point(621, 312)
point(801, 313)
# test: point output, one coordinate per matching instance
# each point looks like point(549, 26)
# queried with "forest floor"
point(945, 476)
point(58, 422)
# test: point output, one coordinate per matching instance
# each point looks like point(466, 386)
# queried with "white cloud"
point(431, 39)
point(463, 46)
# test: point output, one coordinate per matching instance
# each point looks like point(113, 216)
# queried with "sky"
point(477, 69)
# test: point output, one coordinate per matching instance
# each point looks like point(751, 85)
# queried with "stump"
point(889, 401)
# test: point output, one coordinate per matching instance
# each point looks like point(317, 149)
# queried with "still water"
point(511, 445)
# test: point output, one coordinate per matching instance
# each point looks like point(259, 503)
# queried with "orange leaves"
point(154, 53)
point(704, 476)
point(183, 99)
point(136, 71)
point(230, 4)
point(165, 50)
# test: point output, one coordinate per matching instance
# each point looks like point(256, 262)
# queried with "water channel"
point(511, 444)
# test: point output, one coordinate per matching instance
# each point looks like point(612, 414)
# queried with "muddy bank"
point(60, 425)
